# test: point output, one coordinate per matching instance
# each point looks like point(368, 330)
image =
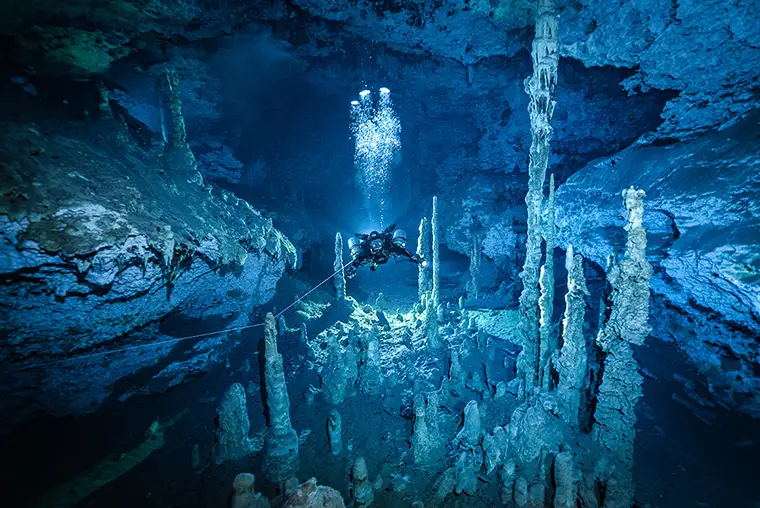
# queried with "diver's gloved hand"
point(351, 271)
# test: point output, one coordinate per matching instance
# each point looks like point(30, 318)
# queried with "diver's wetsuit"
point(377, 249)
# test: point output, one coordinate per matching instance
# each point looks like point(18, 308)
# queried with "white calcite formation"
point(340, 277)
point(281, 445)
point(572, 362)
point(547, 337)
point(232, 441)
point(628, 325)
point(540, 87)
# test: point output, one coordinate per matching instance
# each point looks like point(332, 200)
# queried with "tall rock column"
point(281, 449)
point(423, 250)
point(547, 338)
point(627, 325)
point(573, 358)
point(431, 311)
point(540, 87)
point(435, 236)
point(340, 277)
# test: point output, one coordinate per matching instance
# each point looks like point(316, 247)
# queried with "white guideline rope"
point(179, 339)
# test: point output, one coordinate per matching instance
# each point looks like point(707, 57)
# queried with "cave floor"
point(119, 456)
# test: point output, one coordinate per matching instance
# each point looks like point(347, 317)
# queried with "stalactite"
point(424, 284)
point(547, 337)
point(178, 158)
point(628, 325)
point(340, 277)
point(281, 450)
point(572, 362)
point(103, 105)
point(179, 134)
point(539, 87)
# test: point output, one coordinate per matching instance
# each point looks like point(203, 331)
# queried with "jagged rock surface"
point(92, 255)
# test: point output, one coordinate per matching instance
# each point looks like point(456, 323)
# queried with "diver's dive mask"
point(376, 245)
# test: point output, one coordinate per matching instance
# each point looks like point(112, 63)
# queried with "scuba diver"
point(375, 249)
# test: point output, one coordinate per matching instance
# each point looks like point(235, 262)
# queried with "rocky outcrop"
point(97, 241)
point(703, 214)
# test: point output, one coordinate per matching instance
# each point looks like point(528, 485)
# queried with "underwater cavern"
point(333, 253)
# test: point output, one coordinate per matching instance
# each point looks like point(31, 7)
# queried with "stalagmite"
point(335, 431)
point(472, 431)
point(178, 158)
point(540, 87)
point(232, 441)
point(456, 372)
point(627, 325)
point(370, 372)
point(334, 375)
point(363, 494)
point(572, 361)
point(494, 447)
point(281, 449)
point(476, 256)
point(340, 277)
point(507, 478)
point(432, 418)
point(431, 310)
point(435, 238)
point(421, 440)
point(424, 284)
point(521, 492)
point(244, 496)
point(566, 479)
point(547, 340)
point(537, 494)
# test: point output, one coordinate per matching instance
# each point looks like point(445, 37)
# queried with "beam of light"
point(376, 131)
